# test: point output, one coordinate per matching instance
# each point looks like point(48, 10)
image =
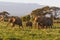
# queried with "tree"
point(24, 19)
point(28, 18)
point(55, 9)
point(41, 11)
point(4, 13)
point(37, 12)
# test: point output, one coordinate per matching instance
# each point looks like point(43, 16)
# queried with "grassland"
point(8, 33)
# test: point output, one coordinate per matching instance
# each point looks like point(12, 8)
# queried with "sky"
point(41, 2)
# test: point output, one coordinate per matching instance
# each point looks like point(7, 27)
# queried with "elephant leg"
point(51, 26)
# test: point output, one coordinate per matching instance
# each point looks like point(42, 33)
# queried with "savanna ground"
point(8, 33)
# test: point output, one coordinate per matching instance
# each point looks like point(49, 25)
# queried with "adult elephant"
point(15, 21)
point(48, 22)
point(44, 22)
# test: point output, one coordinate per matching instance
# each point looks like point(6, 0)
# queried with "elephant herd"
point(41, 22)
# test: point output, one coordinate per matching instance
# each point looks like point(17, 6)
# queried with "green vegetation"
point(8, 33)
point(16, 33)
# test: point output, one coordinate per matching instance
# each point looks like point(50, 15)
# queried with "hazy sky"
point(41, 2)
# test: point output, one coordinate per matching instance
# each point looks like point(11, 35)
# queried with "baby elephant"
point(29, 23)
